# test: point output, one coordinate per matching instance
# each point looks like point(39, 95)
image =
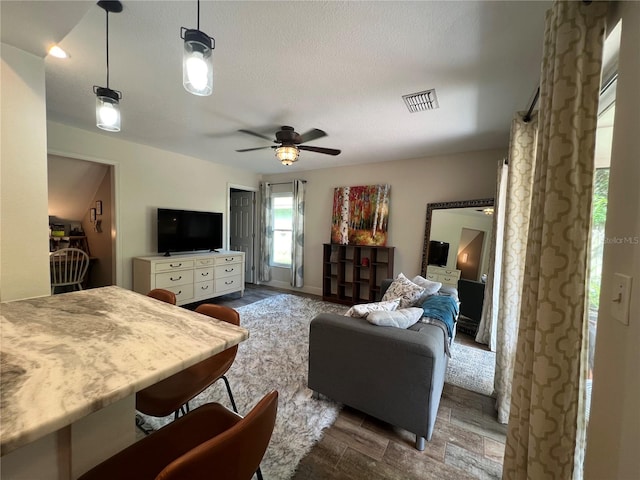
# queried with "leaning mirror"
point(457, 237)
point(457, 253)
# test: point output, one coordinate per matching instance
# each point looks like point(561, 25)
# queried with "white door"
point(241, 231)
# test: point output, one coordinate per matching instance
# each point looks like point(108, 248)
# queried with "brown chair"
point(163, 295)
point(209, 442)
point(172, 394)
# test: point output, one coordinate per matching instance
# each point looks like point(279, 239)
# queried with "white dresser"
point(192, 277)
point(446, 276)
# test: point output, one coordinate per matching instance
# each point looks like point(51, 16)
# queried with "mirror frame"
point(481, 202)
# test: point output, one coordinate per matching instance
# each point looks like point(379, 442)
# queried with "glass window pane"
point(282, 247)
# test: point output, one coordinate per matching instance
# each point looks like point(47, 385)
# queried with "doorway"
point(81, 203)
point(242, 226)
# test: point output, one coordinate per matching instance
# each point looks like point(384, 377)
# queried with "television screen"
point(438, 253)
point(188, 231)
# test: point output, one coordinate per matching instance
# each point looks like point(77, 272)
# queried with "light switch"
point(621, 293)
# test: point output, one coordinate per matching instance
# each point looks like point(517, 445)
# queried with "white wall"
point(414, 183)
point(24, 243)
point(613, 437)
point(147, 178)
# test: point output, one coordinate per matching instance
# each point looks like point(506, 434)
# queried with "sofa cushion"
point(404, 289)
point(363, 309)
point(401, 318)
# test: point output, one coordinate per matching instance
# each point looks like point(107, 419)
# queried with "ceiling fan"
point(290, 142)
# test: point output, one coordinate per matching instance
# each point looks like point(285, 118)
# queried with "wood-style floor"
point(468, 442)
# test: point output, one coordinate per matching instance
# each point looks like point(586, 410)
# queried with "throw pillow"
point(362, 310)
point(404, 289)
point(403, 318)
point(430, 288)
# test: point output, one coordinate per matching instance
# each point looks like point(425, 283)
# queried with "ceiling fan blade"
point(252, 149)
point(328, 151)
point(259, 135)
point(311, 135)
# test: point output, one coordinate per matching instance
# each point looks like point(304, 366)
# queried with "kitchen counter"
point(67, 356)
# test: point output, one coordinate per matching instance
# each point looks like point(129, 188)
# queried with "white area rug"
point(276, 357)
point(471, 368)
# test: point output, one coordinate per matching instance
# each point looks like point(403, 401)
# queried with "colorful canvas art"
point(360, 215)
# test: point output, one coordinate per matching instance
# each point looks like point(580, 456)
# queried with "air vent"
point(421, 101)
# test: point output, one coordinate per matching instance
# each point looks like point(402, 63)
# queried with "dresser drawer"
point(203, 274)
point(168, 279)
point(228, 259)
point(173, 265)
point(204, 262)
point(183, 292)
point(203, 289)
point(223, 271)
point(228, 284)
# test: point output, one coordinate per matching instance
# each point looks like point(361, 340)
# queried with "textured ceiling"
point(338, 66)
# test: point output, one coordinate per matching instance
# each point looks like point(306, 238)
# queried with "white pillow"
point(403, 318)
point(430, 288)
point(362, 310)
point(404, 289)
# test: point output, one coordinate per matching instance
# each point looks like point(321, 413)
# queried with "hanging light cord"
point(198, 14)
point(107, 11)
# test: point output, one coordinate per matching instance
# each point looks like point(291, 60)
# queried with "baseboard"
point(287, 286)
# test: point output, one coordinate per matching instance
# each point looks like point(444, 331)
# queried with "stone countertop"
point(66, 356)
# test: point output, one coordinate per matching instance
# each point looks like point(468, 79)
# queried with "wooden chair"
point(209, 442)
point(163, 295)
point(68, 268)
point(172, 394)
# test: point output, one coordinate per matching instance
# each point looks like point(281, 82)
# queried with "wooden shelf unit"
point(345, 279)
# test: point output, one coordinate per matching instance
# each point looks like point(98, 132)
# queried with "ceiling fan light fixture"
point(287, 154)
point(197, 61)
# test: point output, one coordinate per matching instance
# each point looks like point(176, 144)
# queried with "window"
point(282, 211)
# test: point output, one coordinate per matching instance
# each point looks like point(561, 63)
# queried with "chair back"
point(163, 295)
point(220, 312)
point(68, 267)
point(218, 365)
point(234, 454)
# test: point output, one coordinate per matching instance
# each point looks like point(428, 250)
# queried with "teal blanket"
point(443, 308)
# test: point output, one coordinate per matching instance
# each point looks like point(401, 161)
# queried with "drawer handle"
point(228, 283)
point(175, 279)
point(175, 266)
point(229, 269)
point(204, 287)
point(179, 292)
point(231, 259)
point(205, 274)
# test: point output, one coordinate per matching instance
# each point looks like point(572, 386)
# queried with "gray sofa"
point(393, 374)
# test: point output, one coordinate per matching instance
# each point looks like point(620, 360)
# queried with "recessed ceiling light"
point(57, 52)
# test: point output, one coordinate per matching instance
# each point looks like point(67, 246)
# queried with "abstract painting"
point(360, 215)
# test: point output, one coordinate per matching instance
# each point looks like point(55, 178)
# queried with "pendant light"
point(197, 63)
point(108, 100)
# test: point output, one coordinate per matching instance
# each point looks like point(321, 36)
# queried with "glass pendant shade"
point(197, 63)
point(287, 154)
point(107, 109)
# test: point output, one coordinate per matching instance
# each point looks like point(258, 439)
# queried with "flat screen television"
point(438, 253)
point(188, 231)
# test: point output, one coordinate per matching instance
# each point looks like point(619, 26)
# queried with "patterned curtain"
point(297, 270)
point(545, 437)
point(514, 210)
point(489, 318)
point(266, 233)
